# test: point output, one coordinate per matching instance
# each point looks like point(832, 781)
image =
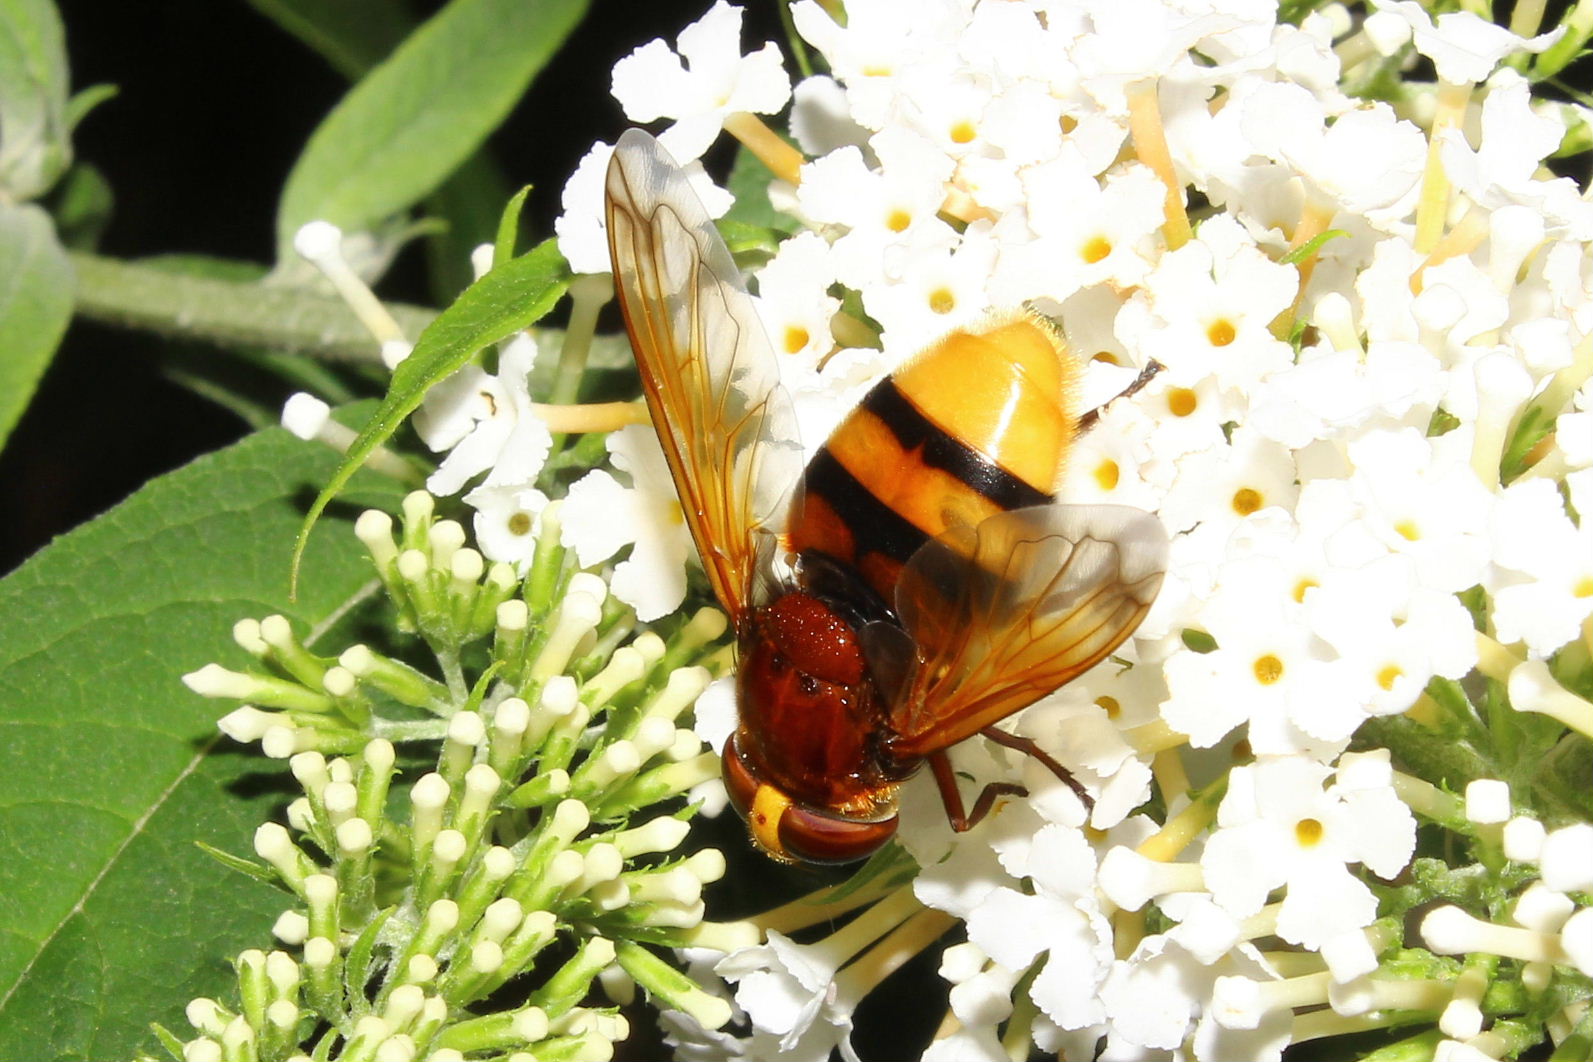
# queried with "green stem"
point(229, 312)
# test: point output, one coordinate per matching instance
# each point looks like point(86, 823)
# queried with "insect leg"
point(946, 781)
point(1087, 421)
point(1029, 748)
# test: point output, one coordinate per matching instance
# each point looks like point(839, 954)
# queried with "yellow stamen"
point(591, 416)
point(783, 160)
point(1527, 17)
point(1495, 660)
point(1150, 144)
point(1151, 738)
point(888, 956)
point(1434, 203)
point(1168, 768)
point(1426, 712)
point(1165, 844)
point(1465, 237)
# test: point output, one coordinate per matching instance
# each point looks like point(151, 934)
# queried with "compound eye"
point(814, 837)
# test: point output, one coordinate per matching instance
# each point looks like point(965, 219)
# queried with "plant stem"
point(229, 312)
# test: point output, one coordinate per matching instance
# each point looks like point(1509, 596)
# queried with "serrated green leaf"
point(33, 83)
point(509, 298)
point(35, 305)
point(420, 113)
point(110, 917)
point(352, 35)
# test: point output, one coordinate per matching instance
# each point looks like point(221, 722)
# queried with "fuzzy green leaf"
point(33, 109)
point(110, 915)
point(509, 298)
point(352, 35)
point(420, 113)
point(35, 305)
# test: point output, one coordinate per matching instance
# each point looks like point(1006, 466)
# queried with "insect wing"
point(707, 369)
point(1005, 613)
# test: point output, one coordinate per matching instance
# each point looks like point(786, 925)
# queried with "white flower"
point(1268, 670)
point(881, 40)
point(582, 232)
point(1504, 167)
point(941, 288)
point(1286, 123)
point(1060, 917)
point(1278, 827)
point(788, 990)
point(600, 516)
point(714, 80)
point(486, 423)
point(1207, 309)
point(793, 298)
point(1547, 592)
point(1084, 233)
point(1420, 498)
point(885, 212)
point(1464, 47)
point(507, 521)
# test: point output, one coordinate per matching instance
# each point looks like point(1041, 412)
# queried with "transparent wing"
point(708, 371)
point(1005, 613)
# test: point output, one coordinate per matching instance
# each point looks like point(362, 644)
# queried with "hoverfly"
point(916, 583)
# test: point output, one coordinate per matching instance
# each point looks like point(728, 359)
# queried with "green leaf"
point(83, 202)
point(352, 35)
point(1310, 247)
point(509, 298)
point(467, 205)
point(33, 84)
point(83, 103)
point(749, 183)
point(35, 305)
point(509, 228)
point(110, 916)
point(419, 114)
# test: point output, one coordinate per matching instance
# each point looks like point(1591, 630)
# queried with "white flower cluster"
point(1376, 344)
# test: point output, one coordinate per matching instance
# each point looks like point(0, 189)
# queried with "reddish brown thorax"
point(811, 717)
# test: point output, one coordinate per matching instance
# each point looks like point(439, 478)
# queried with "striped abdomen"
point(977, 424)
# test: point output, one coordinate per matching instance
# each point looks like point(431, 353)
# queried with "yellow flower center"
point(1583, 587)
point(898, 220)
point(1308, 833)
point(1220, 332)
point(520, 524)
point(1095, 249)
point(1246, 501)
point(796, 337)
point(1301, 587)
point(1181, 401)
point(941, 300)
point(1408, 530)
point(963, 132)
point(1106, 474)
point(1109, 705)
point(1269, 669)
point(1388, 676)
